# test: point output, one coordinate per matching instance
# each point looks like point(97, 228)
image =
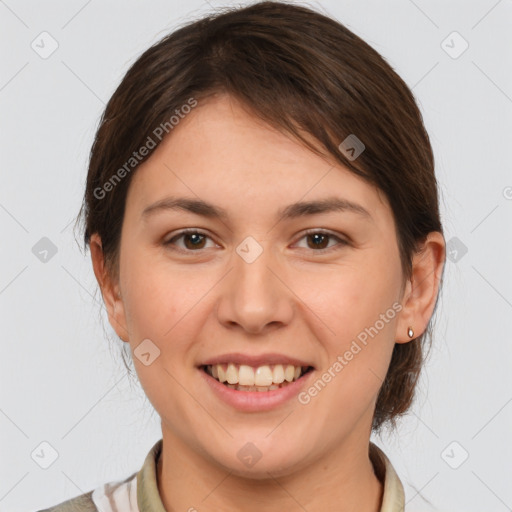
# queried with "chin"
point(260, 463)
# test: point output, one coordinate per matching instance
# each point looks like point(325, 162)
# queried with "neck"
point(344, 481)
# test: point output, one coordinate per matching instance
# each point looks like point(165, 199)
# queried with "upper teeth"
point(248, 376)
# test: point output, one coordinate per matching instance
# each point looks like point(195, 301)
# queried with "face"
point(261, 287)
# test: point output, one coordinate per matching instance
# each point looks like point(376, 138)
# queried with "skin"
point(292, 300)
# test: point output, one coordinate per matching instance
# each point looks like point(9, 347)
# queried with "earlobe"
point(422, 288)
point(109, 290)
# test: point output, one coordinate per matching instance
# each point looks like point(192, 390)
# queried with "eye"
point(318, 240)
point(193, 239)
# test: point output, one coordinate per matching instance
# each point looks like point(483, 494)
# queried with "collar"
point(393, 498)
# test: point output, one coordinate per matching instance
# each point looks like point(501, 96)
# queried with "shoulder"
point(122, 495)
point(110, 497)
point(82, 503)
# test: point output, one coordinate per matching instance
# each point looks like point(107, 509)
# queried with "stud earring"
point(410, 332)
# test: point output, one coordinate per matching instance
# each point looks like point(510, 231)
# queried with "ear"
point(421, 289)
point(109, 289)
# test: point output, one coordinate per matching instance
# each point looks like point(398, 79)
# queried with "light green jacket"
point(139, 492)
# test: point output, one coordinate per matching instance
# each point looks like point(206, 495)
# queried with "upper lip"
point(255, 360)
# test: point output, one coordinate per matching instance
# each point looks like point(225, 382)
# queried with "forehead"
point(223, 154)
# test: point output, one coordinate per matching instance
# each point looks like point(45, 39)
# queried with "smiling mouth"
point(262, 378)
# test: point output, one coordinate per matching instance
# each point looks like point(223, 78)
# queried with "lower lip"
point(254, 401)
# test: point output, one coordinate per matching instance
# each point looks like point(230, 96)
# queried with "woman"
point(262, 214)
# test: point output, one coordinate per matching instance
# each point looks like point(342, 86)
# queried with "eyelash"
point(341, 243)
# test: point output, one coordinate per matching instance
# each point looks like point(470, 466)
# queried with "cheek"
point(159, 296)
point(357, 355)
point(168, 305)
point(160, 306)
point(350, 299)
point(358, 304)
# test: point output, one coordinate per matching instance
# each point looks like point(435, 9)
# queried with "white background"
point(63, 382)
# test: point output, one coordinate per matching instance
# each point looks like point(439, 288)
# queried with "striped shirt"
point(139, 492)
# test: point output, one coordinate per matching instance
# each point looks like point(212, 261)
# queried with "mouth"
point(264, 378)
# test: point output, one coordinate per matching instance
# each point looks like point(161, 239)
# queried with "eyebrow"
point(292, 211)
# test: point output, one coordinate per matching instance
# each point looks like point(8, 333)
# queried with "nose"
point(254, 295)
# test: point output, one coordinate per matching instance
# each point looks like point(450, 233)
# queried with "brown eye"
point(318, 241)
point(193, 240)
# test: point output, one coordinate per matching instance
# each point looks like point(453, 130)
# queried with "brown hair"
point(300, 71)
